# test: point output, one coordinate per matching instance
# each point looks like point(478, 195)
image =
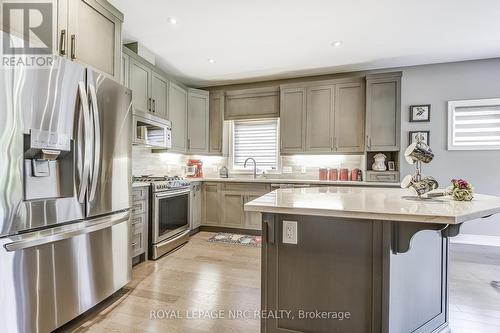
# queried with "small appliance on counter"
point(194, 168)
point(223, 172)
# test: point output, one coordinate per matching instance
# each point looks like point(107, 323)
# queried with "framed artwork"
point(413, 137)
point(420, 113)
point(391, 166)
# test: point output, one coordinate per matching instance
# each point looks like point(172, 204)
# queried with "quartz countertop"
point(390, 204)
point(293, 181)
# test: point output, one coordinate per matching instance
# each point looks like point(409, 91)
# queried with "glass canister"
point(323, 174)
point(333, 174)
point(344, 174)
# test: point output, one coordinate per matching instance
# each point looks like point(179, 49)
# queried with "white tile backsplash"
point(145, 162)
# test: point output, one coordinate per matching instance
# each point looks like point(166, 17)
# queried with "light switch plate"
point(303, 169)
point(289, 232)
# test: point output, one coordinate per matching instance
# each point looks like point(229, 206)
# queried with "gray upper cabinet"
point(159, 93)
point(177, 111)
point(292, 120)
point(140, 84)
point(320, 118)
point(252, 103)
point(383, 112)
point(349, 117)
point(198, 121)
point(124, 79)
point(216, 120)
point(93, 35)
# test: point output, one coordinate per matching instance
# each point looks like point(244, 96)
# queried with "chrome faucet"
point(254, 166)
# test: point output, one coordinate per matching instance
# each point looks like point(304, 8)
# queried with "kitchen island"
point(358, 260)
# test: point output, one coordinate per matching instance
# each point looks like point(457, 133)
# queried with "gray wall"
point(435, 85)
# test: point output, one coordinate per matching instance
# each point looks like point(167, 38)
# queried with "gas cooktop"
point(163, 183)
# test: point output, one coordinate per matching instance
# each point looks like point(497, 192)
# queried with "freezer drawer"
point(52, 276)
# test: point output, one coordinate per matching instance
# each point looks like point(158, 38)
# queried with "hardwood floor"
point(203, 276)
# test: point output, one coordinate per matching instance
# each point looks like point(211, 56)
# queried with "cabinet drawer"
point(139, 193)
point(137, 244)
point(138, 223)
point(139, 207)
point(383, 176)
point(247, 187)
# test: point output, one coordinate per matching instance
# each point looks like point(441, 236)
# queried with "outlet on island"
point(290, 232)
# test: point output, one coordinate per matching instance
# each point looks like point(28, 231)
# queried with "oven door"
point(170, 214)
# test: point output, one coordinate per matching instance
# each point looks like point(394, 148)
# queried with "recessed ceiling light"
point(210, 60)
point(172, 20)
point(337, 43)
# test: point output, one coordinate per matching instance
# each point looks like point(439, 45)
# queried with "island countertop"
point(389, 204)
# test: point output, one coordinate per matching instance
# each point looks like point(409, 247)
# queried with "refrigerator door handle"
point(70, 232)
point(97, 142)
point(87, 141)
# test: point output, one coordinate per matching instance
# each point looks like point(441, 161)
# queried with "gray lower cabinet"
point(211, 204)
point(198, 121)
point(320, 118)
point(140, 84)
point(216, 120)
point(232, 209)
point(292, 120)
point(195, 205)
point(94, 35)
point(383, 112)
point(139, 221)
point(349, 117)
point(159, 93)
point(177, 111)
point(224, 204)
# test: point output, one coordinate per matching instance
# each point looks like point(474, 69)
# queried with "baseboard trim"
point(210, 228)
point(470, 239)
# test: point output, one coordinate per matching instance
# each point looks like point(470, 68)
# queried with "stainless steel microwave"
point(151, 131)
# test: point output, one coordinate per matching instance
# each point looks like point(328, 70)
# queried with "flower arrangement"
point(461, 190)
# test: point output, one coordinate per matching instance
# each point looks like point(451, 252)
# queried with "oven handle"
point(172, 193)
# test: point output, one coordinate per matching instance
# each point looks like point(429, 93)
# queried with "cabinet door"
point(159, 91)
point(216, 112)
point(319, 118)
point(95, 35)
point(211, 204)
point(198, 121)
point(196, 205)
point(139, 78)
point(177, 111)
point(292, 120)
point(124, 70)
point(349, 117)
point(383, 113)
point(232, 209)
point(253, 220)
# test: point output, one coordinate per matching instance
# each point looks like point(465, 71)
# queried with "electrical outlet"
point(303, 169)
point(289, 232)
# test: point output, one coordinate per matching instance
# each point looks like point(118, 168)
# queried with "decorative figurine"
point(379, 164)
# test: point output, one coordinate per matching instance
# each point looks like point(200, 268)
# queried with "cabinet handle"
point(368, 141)
point(281, 143)
point(188, 143)
point(154, 105)
point(149, 104)
point(134, 243)
point(62, 42)
point(73, 47)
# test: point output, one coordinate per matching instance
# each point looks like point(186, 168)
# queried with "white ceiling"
point(262, 39)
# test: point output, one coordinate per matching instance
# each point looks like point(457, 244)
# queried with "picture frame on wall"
point(420, 113)
point(413, 136)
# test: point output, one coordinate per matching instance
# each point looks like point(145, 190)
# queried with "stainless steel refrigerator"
point(65, 182)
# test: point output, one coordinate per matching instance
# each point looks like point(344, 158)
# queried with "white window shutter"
point(257, 139)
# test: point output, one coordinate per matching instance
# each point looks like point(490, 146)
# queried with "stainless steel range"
point(169, 214)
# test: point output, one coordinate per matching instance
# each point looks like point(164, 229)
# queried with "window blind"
point(257, 139)
point(474, 125)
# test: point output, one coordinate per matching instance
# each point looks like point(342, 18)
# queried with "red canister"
point(323, 174)
point(354, 174)
point(344, 174)
point(333, 174)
